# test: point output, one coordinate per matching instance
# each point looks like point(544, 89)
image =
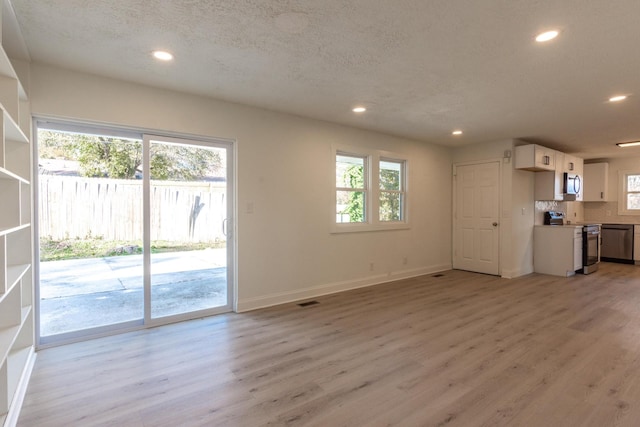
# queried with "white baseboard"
point(21, 392)
point(512, 274)
point(332, 288)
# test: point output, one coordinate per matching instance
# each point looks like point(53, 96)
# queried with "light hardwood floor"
point(463, 349)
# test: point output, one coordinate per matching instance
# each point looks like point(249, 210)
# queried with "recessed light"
point(618, 98)
point(456, 132)
point(162, 55)
point(359, 110)
point(628, 144)
point(546, 36)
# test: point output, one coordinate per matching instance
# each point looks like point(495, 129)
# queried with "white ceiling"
point(422, 68)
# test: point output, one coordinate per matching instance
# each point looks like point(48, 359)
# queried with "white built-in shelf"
point(6, 69)
point(6, 174)
point(11, 129)
point(16, 364)
point(9, 230)
point(15, 273)
point(16, 239)
point(25, 312)
point(7, 338)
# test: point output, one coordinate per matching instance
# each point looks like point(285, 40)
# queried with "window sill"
point(628, 212)
point(365, 227)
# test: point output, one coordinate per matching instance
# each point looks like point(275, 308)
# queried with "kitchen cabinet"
point(636, 244)
point(535, 158)
point(549, 184)
point(596, 182)
point(573, 164)
point(16, 248)
point(550, 166)
point(557, 249)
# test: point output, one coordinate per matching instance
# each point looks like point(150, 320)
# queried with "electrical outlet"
point(405, 261)
point(370, 266)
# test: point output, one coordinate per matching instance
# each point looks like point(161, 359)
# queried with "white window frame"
point(401, 191)
point(372, 187)
point(364, 189)
point(622, 193)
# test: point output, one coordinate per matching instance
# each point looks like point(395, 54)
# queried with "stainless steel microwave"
point(572, 183)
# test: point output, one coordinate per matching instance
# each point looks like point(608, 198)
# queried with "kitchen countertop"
point(561, 226)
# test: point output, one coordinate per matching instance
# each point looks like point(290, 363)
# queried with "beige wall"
point(285, 169)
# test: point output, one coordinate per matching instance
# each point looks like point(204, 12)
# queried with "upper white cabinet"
point(549, 184)
point(596, 182)
point(551, 166)
point(573, 165)
point(535, 157)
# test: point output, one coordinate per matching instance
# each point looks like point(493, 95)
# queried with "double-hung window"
point(391, 197)
point(370, 191)
point(351, 188)
point(629, 201)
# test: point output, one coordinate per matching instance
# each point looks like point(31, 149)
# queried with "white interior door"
point(476, 218)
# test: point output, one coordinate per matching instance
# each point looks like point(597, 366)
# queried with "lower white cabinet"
point(557, 249)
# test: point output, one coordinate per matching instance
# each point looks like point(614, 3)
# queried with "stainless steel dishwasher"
point(617, 243)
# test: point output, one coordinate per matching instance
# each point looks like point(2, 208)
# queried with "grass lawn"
point(55, 250)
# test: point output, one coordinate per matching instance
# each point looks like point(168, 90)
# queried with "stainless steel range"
point(590, 248)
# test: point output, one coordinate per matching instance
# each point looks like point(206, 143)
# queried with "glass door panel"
point(90, 229)
point(187, 238)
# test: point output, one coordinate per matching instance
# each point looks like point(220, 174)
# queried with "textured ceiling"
point(422, 68)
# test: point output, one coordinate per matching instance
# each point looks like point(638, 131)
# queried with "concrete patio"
point(86, 293)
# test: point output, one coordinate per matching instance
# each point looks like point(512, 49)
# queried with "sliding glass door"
point(188, 214)
point(134, 230)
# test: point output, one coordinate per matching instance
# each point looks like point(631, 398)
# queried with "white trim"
point(146, 228)
point(108, 129)
point(622, 192)
point(332, 288)
point(21, 391)
point(512, 274)
point(372, 191)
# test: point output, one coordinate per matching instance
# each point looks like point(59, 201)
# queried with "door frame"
point(64, 124)
point(454, 206)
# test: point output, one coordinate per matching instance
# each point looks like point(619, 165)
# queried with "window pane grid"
point(391, 206)
point(367, 182)
point(391, 185)
point(631, 190)
point(351, 188)
point(633, 183)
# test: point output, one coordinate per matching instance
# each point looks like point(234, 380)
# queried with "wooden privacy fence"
point(76, 207)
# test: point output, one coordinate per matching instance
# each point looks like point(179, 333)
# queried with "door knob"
point(495, 224)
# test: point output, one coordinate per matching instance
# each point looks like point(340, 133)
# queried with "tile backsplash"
point(607, 213)
point(573, 210)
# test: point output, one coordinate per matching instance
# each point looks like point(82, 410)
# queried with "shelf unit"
point(17, 336)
